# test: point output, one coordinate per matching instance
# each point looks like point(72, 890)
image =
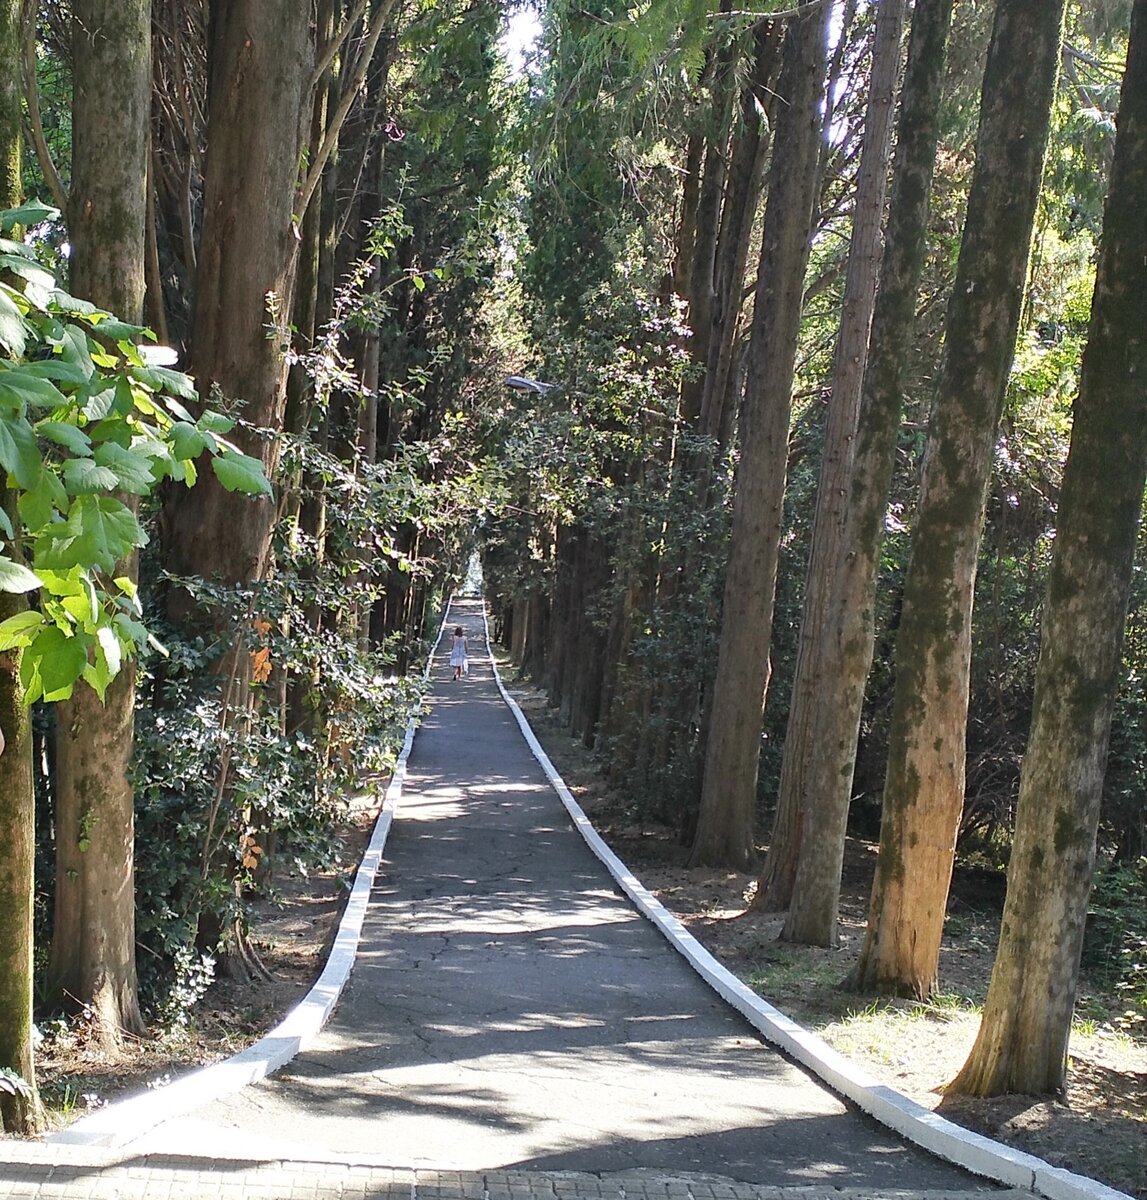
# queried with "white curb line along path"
point(126, 1120)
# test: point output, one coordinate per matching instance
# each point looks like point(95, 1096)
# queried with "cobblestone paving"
point(35, 1173)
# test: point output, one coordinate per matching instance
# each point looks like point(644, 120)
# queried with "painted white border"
point(125, 1120)
point(913, 1121)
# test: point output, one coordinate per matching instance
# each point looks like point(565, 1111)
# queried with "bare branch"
point(35, 124)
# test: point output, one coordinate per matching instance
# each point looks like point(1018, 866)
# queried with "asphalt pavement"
point(512, 1027)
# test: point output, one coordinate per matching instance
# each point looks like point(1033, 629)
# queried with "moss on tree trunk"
point(724, 834)
point(924, 787)
point(1023, 1037)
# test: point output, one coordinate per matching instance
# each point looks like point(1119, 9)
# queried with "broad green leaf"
point(119, 331)
point(83, 609)
point(68, 583)
point(99, 531)
point(6, 524)
point(39, 504)
point(170, 383)
point(13, 331)
point(53, 663)
point(19, 454)
point(68, 436)
point(15, 577)
point(239, 472)
point(27, 269)
point(134, 632)
point(21, 387)
point(56, 369)
point(71, 305)
point(75, 349)
point(97, 675)
point(32, 212)
point(100, 404)
point(186, 441)
point(83, 475)
point(19, 630)
point(132, 469)
point(213, 422)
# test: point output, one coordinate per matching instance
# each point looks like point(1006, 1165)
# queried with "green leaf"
point(186, 441)
point(15, 577)
point(19, 630)
point(99, 531)
point(33, 212)
point(40, 503)
point(19, 454)
point(75, 349)
point(98, 405)
point(117, 330)
point(68, 436)
point(24, 387)
point(132, 470)
point(98, 676)
point(52, 664)
point(169, 382)
point(83, 475)
point(68, 583)
point(13, 331)
point(213, 422)
point(56, 369)
point(83, 609)
point(134, 632)
point(27, 269)
point(239, 472)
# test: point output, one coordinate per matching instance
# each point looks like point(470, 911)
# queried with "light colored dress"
point(458, 653)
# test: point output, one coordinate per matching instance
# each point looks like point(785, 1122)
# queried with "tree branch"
point(350, 92)
point(35, 124)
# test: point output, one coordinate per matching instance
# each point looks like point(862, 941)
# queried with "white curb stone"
point(919, 1125)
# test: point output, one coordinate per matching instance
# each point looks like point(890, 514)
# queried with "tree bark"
point(260, 62)
point(846, 654)
point(812, 916)
point(924, 788)
point(19, 1112)
point(1023, 1037)
point(738, 216)
point(92, 961)
point(724, 834)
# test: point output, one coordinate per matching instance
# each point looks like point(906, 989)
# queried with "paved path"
point(512, 1029)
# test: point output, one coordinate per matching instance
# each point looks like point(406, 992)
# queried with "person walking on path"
point(458, 659)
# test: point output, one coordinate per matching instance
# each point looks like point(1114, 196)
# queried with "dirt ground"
point(1099, 1128)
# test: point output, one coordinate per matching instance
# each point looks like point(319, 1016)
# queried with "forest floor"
point(1099, 1128)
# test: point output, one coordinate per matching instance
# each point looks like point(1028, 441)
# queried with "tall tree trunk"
point(812, 917)
point(728, 799)
point(738, 216)
point(846, 652)
point(924, 789)
point(92, 962)
point(260, 60)
point(1023, 1038)
point(20, 1110)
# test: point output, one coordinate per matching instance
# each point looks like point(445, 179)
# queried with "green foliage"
point(1115, 943)
point(85, 421)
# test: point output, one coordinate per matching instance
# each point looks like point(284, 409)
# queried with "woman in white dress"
point(458, 654)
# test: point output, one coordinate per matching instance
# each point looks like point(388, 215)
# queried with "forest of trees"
point(822, 517)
